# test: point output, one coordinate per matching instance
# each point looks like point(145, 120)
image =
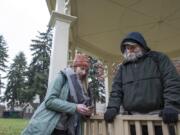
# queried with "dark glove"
point(110, 114)
point(169, 115)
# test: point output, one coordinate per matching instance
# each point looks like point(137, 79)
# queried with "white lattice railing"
point(121, 125)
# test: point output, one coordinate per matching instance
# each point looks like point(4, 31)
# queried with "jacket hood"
point(135, 37)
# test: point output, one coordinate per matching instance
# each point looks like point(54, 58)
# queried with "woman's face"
point(81, 72)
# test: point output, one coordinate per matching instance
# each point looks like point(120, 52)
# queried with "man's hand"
point(169, 115)
point(83, 109)
point(110, 114)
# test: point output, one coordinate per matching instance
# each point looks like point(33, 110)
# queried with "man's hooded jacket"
point(147, 84)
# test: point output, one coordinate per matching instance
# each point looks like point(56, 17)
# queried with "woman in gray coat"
point(65, 103)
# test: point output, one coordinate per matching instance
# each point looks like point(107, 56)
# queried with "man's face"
point(132, 52)
point(81, 72)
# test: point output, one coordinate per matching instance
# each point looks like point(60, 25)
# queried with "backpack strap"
point(64, 77)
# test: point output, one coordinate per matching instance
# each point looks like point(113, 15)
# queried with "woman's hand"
point(83, 109)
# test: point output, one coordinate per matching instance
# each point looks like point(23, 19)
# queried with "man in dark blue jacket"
point(146, 82)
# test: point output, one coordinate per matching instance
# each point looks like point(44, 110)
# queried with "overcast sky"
point(19, 22)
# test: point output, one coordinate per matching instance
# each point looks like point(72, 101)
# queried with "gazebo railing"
point(121, 125)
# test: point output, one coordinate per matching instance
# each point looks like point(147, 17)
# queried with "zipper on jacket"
point(133, 70)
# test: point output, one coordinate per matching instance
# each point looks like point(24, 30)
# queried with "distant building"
point(29, 109)
point(2, 109)
point(25, 110)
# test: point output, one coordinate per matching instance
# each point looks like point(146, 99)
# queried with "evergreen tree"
point(3, 58)
point(39, 67)
point(16, 84)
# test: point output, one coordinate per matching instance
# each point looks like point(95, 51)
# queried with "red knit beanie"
point(81, 60)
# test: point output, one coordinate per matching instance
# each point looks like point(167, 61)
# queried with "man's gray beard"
point(132, 56)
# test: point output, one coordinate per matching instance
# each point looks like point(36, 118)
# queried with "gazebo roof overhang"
point(102, 24)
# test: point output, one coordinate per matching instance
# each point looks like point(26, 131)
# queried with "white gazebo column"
point(112, 66)
point(107, 83)
point(108, 80)
point(61, 22)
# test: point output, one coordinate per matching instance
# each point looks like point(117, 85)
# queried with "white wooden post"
point(61, 22)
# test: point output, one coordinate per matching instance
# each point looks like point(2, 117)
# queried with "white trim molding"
point(61, 17)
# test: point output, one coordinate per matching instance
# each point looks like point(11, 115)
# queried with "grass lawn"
point(12, 126)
